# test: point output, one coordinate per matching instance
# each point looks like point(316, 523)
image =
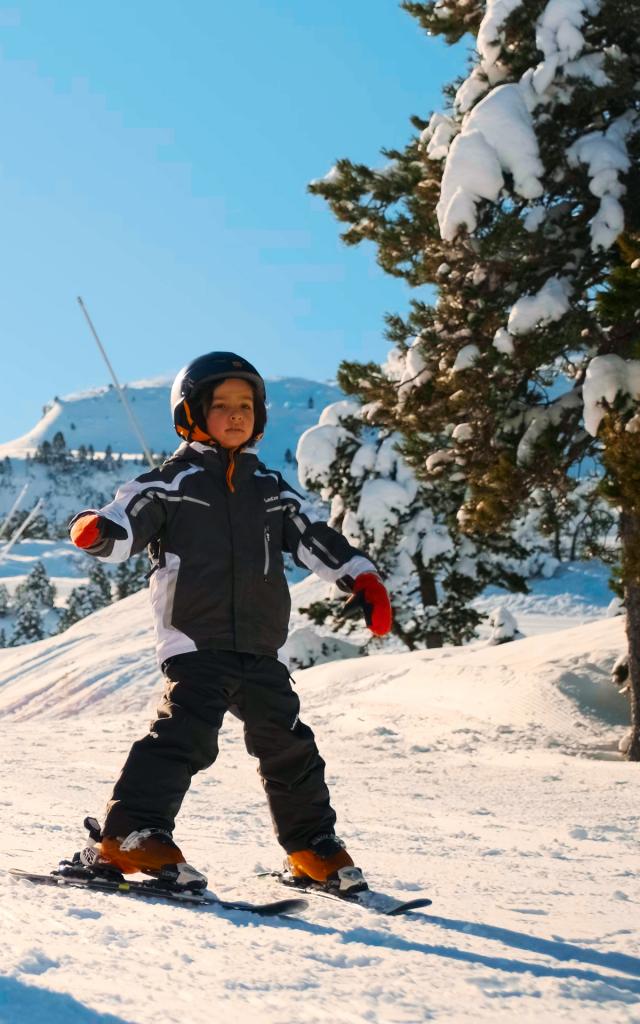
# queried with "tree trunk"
point(429, 597)
point(630, 537)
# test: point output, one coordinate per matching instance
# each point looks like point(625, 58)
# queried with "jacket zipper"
point(233, 569)
point(266, 553)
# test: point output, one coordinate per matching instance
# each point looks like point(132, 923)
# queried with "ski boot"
point(150, 850)
point(325, 864)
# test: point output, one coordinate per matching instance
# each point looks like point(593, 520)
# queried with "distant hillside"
point(96, 418)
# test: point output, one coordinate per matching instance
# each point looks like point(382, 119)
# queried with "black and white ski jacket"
point(216, 543)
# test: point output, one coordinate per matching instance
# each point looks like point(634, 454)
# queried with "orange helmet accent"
point(192, 432)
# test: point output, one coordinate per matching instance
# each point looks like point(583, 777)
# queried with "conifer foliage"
point(520, 204)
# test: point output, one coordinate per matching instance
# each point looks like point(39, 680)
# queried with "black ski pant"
point(200, 687)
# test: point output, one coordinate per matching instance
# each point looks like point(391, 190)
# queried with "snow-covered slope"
point(97, 418)
point(545, 688)
point(487, 777)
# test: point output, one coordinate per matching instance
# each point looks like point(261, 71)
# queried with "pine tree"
point(87, 598)
point(5, 601)
point(521, 205)
point(100, 584)
point(28, 626)
point(36, 590)
point(131, 576)
point(379, 505)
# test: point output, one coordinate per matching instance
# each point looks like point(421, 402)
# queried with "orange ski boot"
point(151, 851)
point(325, 864)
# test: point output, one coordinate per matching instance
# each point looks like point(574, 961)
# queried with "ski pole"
point(121, 394)
point(18, 533)
point(14, 508)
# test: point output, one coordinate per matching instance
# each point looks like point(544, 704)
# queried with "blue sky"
point(154, 159)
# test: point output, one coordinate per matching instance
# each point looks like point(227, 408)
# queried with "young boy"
point(217, 522)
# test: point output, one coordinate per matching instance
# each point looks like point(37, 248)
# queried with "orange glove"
point(87, 530)
point(370, 596)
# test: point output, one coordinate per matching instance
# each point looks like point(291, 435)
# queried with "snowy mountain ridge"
point(97, 418)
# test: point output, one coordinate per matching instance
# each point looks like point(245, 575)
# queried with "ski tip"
point(406, 908)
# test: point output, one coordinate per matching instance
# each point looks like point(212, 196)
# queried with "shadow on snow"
point(42, 1006)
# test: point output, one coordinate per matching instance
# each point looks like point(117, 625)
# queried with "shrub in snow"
point(504, 627)
point(620, 672)
point(306, 647)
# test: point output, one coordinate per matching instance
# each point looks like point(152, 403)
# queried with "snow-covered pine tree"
point(5, 600)
point(37, 589)
point(87, 598)
point(535, 172)
point(380, 506)
point(612, 414)
point(27, 627)
point(546, 162)
point(373, 496)
point(131, 576)
point(513, 203)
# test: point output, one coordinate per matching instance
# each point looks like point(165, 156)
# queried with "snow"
point(540, 418)
point(488, 40)
point(486, 777)
point(497, 136)
point(605, 154)
point(381, 501)
point(606, 377)
point(463, 432)
point(546, 306)
point(534, 218)
point(465, 358)
point(437, 136)
point(503, 342)
point(558, 29)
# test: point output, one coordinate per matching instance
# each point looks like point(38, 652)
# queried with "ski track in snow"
point(486, 778)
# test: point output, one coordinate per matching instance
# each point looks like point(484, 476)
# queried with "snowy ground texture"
point(486, 777)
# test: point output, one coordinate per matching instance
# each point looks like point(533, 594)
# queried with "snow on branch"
point(489, 40)
point(540, 419)
point(606, 378)
point(545, 307)
point(606, 156)
point(496, 137)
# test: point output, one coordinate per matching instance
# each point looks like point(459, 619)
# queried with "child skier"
point(216, 522)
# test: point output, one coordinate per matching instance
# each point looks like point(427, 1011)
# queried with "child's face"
point(230, 417)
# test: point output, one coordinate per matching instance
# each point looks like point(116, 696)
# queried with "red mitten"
point(87, 530)
point(373, 596)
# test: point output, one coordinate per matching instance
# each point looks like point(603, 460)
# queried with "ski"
point(152, 890)
point(380, 902)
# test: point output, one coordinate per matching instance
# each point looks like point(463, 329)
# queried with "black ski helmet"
point(197, 376)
